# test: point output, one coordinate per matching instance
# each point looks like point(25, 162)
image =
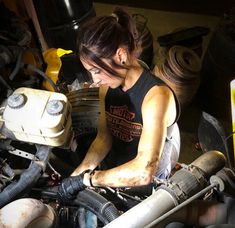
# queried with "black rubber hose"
point(97, 204)
point(36, 70)
point(17, 66)
point(6, 56)
point(27, 179)
point(3, 81)
point(90, 200)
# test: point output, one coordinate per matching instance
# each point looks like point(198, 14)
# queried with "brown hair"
point(101, 36)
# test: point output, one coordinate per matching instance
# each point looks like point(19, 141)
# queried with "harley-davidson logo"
point(119, 120)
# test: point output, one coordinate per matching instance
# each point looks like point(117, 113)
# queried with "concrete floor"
point(161, 23)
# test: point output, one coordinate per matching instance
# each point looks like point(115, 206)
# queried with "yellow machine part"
point(52, 58)
point(232, 89)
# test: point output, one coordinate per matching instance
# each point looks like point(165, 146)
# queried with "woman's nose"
point(95, 79)
point(96, 82)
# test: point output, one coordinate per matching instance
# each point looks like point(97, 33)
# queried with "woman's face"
point(101, 77)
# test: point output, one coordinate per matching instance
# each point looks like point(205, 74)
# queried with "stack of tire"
point(85, 114)
point(145, 40)
point(180, 70)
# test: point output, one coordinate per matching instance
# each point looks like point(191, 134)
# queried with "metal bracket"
point(24, 154)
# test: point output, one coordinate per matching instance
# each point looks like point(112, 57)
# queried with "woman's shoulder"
point(160, 91)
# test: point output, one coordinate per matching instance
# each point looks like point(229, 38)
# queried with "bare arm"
point(102, 143)
point(159, 112)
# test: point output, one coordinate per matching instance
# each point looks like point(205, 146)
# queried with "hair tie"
point(115, 16)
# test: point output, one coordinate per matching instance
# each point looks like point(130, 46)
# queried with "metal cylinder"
point(210, 162)
point(202, 213)
point(27, 212)
point(164, 200)
point(60, 20)
point(139, 216)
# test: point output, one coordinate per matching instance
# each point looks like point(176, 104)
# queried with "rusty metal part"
point(211, 163)
point(27, 212)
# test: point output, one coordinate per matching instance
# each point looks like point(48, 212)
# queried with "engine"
point(46, 130)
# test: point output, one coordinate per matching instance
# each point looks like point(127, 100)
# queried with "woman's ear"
point(121, 56)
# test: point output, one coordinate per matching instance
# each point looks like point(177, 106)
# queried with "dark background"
point(208, 7)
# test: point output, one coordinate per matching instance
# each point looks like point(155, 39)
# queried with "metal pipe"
point(28, 178)
point(201, 213)
point(210, 162)
point(180, 206)
point(154, 206)
point(27, 213)
point(29, 5)
point(164, 199)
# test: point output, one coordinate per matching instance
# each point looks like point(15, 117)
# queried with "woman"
point(137, 137)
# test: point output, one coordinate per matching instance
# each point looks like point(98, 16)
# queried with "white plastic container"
point(39, 116)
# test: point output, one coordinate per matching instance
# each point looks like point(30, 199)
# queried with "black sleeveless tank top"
point(124, 118)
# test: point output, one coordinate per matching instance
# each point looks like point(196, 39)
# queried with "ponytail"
point(127, 22)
